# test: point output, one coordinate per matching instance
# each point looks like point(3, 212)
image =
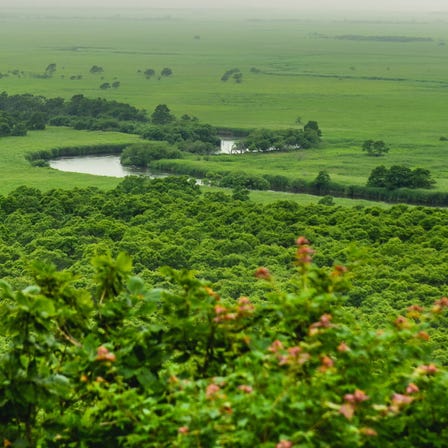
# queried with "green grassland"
point(15, 170)
point(355, 89)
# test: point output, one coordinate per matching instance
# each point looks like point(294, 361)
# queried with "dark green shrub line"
point(232, 179)
point(69, 151)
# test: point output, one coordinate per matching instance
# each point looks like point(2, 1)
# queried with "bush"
point(132, 366)
point(142, 154)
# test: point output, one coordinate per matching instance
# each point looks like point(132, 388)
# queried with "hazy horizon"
point(316, 5)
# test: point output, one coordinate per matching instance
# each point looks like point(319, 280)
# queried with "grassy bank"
point(15, 170)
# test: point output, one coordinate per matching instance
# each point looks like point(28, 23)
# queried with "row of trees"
point(287, 139)
point(398, 176)
point(150, 72)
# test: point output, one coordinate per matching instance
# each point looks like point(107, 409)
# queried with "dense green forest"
point(398, 255)
point(270, 340)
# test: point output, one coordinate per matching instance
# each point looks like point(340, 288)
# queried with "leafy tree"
point(421, 178)
point(322, 182)
point(19, 129)
point(37, 121)
point(398, 176)
point(115, 84)
point(232, 72)
point(142, 154)
point(162, 115)
point(238, 77)
point(313, 126)
point(166, 71)
point(96, 69)
point(375, 148)
point(50, 70)
point(240, 194)
point(378, 177)
point(149, 73)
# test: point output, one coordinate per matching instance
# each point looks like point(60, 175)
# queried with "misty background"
point(297, 5)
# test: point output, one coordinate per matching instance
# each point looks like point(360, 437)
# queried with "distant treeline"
point(32, 112)
point(376, 38)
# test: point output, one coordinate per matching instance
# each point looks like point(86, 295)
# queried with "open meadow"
point(382, 79)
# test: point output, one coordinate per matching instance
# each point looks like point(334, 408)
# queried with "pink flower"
point(284, 444)
point(103, 354)
point(263, 273)
point(429, 369)
point(423, 335)
point(246, 388)
point(219, 309)
point(416, 308)
point(401, 400)
point(294, 351)
point(440, 304)
point(443, 302)
point(276, 346)
point(304, 254)
point(347, 410)
point(211, 391)
point(183, 430)
point(326, 363)
point(357, 397)
point(301, 240)
point(412, 389)
point(343, 347)
point(245, 306)
point(324, 321)
point(338, 271)
point(401, 322)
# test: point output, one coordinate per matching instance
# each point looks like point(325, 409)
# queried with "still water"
point(110, 165)
point(99, 166)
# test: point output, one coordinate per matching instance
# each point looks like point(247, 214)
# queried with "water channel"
point(99, 166)
point(109, 165)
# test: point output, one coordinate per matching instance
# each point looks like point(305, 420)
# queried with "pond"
point(100, 166)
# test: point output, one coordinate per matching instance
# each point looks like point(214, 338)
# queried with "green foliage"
point(287, 139)
point(96, 69)
point(181, 132)
point(231, 73)
point(142, 154)
point(166, 71)
point(327, 200)
point(182, 366)
point(162, 115)
point(375, 148)
point(322, 182)
point(149, 73)
point(400, 177)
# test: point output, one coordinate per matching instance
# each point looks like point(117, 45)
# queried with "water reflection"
point(99, 166)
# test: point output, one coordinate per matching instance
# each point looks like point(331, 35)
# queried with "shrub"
point(131, 366)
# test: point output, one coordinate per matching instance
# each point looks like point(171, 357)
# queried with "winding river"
point(100, 166)
point(109, 165)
